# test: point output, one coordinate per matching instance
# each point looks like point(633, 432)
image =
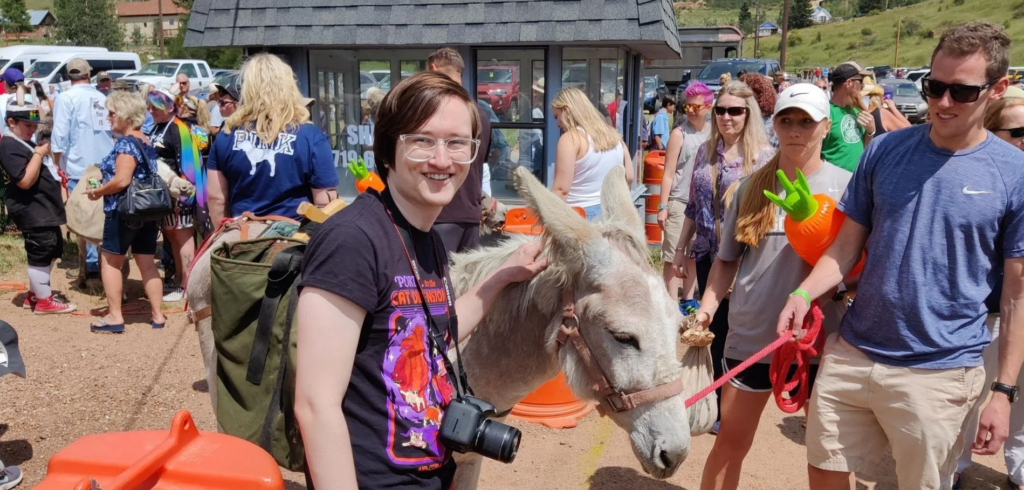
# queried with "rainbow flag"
point(192, 161)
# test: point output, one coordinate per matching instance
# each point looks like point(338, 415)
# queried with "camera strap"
point(435, 333)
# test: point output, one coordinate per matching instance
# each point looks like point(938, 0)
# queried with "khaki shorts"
point(673, 227)
point(859, 407)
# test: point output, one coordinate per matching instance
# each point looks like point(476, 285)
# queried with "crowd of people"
point(914, 341)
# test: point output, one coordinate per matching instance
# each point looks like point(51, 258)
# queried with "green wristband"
point(803, 294)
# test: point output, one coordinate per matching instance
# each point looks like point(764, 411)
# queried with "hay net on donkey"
point(698, 373)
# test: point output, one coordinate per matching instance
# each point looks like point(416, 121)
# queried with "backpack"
point(254, 295)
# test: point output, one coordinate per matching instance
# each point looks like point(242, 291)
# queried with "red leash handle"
point(802, 350)
point(801, 353)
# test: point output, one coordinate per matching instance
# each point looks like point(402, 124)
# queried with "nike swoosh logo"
point(969, 192)
point(832, 189)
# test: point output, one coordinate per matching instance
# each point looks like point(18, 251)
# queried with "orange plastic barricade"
point(521, 221)
point(552, 405)
point(185, 459)
point(654, 169)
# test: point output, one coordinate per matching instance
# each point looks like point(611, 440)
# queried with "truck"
point(162, 73)
point(700, 45)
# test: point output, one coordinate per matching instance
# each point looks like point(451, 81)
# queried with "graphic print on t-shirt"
point(849, 128)
point(257, 151)
point(417, 382)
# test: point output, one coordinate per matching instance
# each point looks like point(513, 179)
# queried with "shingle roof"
point(36, 16)
point(148, 8)
point(645, 25)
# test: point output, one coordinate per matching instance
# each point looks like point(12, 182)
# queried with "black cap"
point(847, 71)
point(230, 89)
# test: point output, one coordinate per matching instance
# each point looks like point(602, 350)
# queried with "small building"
point(820, 15)
point(146, 13)
point(519, 54)
point(767, 29)
point(42, 22)
point(699, 45)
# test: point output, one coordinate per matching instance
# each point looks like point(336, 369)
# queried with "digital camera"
point(466, 428)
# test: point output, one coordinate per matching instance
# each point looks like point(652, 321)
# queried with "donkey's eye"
point(627, 340)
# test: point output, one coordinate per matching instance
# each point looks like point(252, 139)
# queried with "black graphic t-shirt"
point(167, 141)
point(399, 386)
point(39, 205)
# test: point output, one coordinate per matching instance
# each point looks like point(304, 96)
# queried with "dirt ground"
point(81, 383)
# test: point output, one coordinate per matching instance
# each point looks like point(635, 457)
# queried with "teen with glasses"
point(852, 126)
point(735, 148)
point(691, 131)
point(371, 385)
point(939, 207)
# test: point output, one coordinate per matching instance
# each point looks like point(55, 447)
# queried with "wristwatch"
point(1011, 392)
point(662, 207)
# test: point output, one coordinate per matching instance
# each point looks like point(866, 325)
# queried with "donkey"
point(624, 313)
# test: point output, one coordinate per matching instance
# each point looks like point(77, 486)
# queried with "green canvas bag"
point(254, 294)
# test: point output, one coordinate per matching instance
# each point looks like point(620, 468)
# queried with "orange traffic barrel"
point(521, 221)
point(552, 405)
point(654, 170)
point(183, 459)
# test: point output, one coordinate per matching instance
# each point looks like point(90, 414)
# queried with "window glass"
point(370, 75)
point(537, 112)
point(705, 54)
point(410, 68)
point(188, 69)
point(512, 148)
point(202, 69)
point(575, 74)
point(18, 66)
point(497, 86)
point(122, 65)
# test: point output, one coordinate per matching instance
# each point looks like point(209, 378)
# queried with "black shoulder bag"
point(147, 198)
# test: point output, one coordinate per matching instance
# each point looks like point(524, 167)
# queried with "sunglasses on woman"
point(1014, 132)
point(959, 92)
point(732, 111)
point(693, 107)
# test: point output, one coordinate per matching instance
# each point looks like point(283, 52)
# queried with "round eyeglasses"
point(421, 148)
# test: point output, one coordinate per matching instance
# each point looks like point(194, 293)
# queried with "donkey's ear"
point(566, 230)
point(617, 209)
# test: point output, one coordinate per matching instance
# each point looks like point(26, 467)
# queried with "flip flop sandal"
point(104, 327)
point(158, 325)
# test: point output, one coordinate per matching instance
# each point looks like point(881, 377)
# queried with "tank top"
point(877, 115)
point(692, 141)
point(589, 172)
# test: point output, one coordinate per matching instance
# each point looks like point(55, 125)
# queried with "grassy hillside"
point(38, 4)
point(871, 40)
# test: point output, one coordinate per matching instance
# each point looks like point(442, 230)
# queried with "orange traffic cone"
point(185, 459)
point(552, 405)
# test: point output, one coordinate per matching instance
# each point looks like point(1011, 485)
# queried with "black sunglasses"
point(1014, 132)
point(959, 92)
point(732, 111)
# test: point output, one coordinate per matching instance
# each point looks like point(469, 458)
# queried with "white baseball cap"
point(806, 97)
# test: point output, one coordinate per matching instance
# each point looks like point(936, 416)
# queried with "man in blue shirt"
point(660, 128)
point(81, 137)
point(940, 207)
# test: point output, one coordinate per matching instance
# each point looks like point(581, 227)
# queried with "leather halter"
point(610, 399)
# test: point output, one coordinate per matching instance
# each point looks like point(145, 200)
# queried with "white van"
point(52, 69)
point(21, 57)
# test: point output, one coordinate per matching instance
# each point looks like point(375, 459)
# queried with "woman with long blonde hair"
point(587, 150)
point(756, 263)
point(736, 148)
point(270, 158)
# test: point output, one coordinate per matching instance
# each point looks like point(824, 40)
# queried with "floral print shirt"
point(108, 167)
point(701, 208)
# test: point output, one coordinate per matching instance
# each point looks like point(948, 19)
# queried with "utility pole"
point(899, 27)
point(785, 34)
point(160, 25)
point(757, 26)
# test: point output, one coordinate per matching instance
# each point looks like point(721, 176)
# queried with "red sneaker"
point(30, 301)
point(51, 306)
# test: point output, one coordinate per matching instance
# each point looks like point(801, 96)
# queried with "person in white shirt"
point(81, 137)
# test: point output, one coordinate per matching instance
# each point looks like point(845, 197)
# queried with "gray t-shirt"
point(940, 223)
point(692, 141)
point(771, 271)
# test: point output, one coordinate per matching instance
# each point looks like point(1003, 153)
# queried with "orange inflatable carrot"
point(365, 179)
point(812, 222)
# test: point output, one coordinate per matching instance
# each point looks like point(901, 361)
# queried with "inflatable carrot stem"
point(365, 179)
point(799, 204)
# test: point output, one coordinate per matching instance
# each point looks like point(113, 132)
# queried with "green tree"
point(800, 14)
point(15, 17)
point(136, 38)
point(156, 32)
point(87, 23)
point(866, 6)
point(217, 58)
point(746, 21)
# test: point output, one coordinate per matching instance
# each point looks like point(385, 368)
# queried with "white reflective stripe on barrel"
point(653, 190)
point(651, 218)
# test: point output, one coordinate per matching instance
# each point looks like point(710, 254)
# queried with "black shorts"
point(755, 378)
point(119, 236)
point(43, 245)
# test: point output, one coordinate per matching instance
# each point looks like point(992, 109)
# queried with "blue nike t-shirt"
point(273, 179)
point(940, 223)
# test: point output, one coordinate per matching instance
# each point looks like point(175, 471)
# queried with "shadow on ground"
point(793, 429)
point(290, 485)
point(15, 452)
point(617, 477)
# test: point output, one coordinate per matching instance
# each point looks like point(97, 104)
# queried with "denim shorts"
point(119, 236)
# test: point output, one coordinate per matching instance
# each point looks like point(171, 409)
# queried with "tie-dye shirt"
point(701, 208)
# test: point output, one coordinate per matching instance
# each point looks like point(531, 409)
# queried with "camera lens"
point(498, 441)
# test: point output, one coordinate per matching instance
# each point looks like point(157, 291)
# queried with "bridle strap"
point(610, 400)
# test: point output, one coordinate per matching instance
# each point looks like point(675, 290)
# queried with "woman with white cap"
point(756, 261)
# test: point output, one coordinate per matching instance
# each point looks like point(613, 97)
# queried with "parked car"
point(52, 69)
point(498, 86)
point(114, 74)
point(161, 74)
point(916, 76)
point(220, 71)
point(654, 90)
point(880, 71)
point(908, 99)
point(711, 72)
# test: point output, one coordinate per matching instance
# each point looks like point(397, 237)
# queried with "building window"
point(171, 22)
point(705, 54)
point(145, 24)
point(730, 52)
